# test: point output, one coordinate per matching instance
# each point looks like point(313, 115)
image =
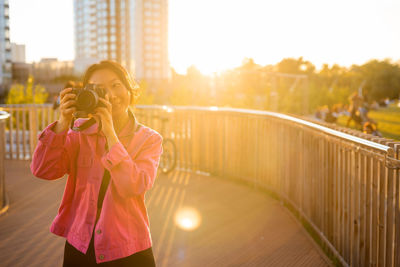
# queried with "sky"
point(215, 35)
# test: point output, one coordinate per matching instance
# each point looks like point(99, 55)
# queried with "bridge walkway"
point(236, 225)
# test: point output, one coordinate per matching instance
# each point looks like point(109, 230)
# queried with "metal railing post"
point(3, 199)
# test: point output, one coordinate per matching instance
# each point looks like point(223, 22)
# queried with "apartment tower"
point(5, 49)
point(132, 32)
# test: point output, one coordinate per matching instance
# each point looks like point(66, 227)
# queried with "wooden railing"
point(25, 123)
point(343, 187)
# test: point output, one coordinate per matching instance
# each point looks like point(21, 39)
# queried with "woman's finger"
point(106, 103)
point(69, 103)
point(67, 97)
point(65, 91)
point(99, 114)
point(70, 110)
point(62, 106)
point(102, 110)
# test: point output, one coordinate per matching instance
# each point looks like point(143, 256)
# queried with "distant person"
point(370, 128)
point(382, 103)
point(364, 109)
point(110, 167)
point(336, 110)
point(331, 115)
point(354, 110)
point(345, 110)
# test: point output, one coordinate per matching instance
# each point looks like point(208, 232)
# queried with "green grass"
point(388, 120)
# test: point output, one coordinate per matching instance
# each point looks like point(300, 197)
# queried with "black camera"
point(87, 99)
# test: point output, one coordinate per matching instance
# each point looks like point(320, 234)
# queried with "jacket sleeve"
point(134, 176)
point(52, 156)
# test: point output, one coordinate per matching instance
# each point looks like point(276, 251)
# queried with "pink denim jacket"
point(123, 226)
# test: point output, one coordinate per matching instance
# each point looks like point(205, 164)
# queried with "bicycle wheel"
point(168, 157)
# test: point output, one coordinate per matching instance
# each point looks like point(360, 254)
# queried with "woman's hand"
point(67, 109)
point(104, 115)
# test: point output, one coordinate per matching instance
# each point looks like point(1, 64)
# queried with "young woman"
point(110, 166)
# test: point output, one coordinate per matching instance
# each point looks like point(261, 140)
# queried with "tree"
point(382, 79)
point(295, 66)
point(28, 94)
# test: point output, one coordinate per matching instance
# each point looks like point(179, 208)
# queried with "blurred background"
point(335, 61)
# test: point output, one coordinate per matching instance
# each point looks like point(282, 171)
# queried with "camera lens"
point(86, 100)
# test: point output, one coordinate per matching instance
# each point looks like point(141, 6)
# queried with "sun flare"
point(187, 219)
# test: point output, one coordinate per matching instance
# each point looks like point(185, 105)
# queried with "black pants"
point(74, 258)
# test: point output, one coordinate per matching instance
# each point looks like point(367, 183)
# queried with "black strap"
point(102, 193)
point(103, 188)
point(85, 125)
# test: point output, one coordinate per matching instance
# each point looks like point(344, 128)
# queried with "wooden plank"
point(33, 129)
point(363, 208)
point(369, 210)
point(390, 221)
point(337, 180)
point(342, 203)
point(347, 207)
point(356, 209)
point(24, 150)
point(375, 214)
point(382, 214)
point(49, 111)
point(17, 133)
point(331, 192)
point(322, 194)
point(42, 112)
point(397, 211)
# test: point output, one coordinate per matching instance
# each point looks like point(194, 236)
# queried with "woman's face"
point(118, 94)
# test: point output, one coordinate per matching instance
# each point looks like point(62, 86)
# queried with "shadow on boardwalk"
point(239, 226)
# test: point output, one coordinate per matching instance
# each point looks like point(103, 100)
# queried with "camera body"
point(87, 99)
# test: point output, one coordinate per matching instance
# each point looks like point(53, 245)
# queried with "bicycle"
point(169, 156)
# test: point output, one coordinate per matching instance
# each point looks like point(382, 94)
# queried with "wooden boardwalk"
point(238, 225)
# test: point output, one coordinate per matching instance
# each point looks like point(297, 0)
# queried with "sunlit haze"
point(215, 35)
point(46, 27)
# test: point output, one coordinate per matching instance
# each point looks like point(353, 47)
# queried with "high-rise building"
point(20, 69)
point(132, 32)
point(17, 53)
point(5, 48)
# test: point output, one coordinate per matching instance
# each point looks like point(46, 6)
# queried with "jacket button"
point(98, 231)
point(101, 257)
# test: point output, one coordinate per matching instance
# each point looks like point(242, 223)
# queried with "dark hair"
point(73, 84)
point(69, 84)
point(121, 73)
